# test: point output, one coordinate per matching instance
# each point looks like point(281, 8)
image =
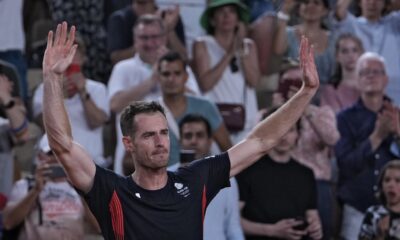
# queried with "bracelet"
point(9, 105)
point(283, 16)
point(20, 128)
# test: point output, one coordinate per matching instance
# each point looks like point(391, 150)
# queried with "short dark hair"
point(194, 118)
point(149, 19)
point(128, 114)
point(394, 164)
point(171, 56)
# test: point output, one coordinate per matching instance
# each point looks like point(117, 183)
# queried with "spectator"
point(13, 129)
point(278, 197)
point(226, 62)
point(173, 77)
point(382, 221)
point(367, 131)
point(89, 15)
point(261, 30)
point(287, 39)
point(342, 91)
point(190, 12)
point(222, 219)
point(133, 79)
point(378, 33)
point(317, 135)
point(86, 102)
point(120, 33)
point(47, 206)
point(12, 40)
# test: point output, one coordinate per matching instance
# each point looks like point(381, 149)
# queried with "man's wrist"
point(84, 95)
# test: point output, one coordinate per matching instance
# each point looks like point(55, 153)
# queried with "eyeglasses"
point(150, 37)
point(372, 72)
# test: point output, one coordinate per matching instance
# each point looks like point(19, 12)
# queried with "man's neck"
point(150, 179)
point(176, 103)
point(373, 101)
point(280, 157)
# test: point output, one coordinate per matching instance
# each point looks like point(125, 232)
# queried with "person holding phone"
point(226, 62)
point(278, 195)
point(222, 220)
point(45, 206)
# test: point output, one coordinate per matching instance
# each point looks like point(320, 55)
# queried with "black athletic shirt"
point(126, 211)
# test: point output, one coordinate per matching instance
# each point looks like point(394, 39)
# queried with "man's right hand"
point(60, 50)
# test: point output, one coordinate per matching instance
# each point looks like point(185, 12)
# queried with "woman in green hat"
point(226, 62)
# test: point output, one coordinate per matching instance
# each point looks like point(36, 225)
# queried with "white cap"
point(44, 144)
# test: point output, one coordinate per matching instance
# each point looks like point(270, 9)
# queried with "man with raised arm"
point(153, 203)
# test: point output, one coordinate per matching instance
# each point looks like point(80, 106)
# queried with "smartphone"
point(285, 86)
point(187, 156)
point(56, 171)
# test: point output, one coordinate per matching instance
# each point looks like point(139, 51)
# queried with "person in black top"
point(278, 195)
point(153, 203)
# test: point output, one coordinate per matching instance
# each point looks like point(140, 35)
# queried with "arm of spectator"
point(14, 109)
point(249, 61)
point(221, 137)
point(282, 229)
point(233, 228)
point(208, 77)
point(323, 122)
point(122, 98)
point(267, 133)
point(173, 23)
point(15, 212)
point(314, 229)
point(95, 116)
point(280, 43)
point(352, 155)
point(76, 161)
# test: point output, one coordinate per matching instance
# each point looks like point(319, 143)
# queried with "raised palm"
point(60, 50)
point(307, 64)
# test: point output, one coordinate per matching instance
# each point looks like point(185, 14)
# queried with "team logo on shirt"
point(182, 190)
point(178, 186)
point(137, 195)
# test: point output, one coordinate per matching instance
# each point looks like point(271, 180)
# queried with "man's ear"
point(128, 143)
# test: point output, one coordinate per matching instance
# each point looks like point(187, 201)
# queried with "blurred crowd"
point(218, 67)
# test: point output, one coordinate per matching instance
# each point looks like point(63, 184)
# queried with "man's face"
point(194, 137)
point(149, 39)
point(372, 77)
point(72, 72)
point(150, 143)
point(173, 77)
point(372, 9)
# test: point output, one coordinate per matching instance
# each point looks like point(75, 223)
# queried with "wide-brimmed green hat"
point(243, 12)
